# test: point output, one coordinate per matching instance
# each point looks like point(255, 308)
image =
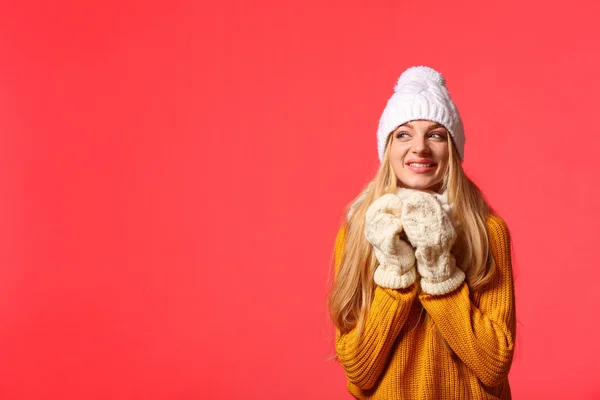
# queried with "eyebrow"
point(434, 126)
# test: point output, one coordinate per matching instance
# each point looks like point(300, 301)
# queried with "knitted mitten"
point(396, 258)
point(429, 229)
point(404, 193)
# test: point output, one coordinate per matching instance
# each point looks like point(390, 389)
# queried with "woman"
point(423, 299)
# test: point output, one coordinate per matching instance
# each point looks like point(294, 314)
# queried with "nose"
point(420, 145)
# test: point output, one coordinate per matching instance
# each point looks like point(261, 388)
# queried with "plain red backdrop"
point(173, 175)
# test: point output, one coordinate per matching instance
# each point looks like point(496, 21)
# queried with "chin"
point(420, 185)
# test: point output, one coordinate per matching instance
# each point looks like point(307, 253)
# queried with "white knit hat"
point(420, 93)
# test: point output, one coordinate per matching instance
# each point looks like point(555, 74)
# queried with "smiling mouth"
point(421, 165)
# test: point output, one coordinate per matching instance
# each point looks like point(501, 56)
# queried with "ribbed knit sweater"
point(400, 355)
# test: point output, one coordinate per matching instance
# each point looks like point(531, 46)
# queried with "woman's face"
point(419, 154)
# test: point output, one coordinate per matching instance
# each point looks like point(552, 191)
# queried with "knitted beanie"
point(420, 93)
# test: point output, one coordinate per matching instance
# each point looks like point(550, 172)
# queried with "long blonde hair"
point(353, 287)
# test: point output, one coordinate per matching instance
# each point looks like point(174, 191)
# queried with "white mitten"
point(396, 258)
point(429, 229)
point(404, 193)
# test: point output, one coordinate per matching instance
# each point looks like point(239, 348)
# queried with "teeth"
point(420, 165)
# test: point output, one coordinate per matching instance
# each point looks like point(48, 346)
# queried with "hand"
point(396, 258)
point(429, 229)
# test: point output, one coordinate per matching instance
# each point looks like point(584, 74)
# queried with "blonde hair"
point(353, 287)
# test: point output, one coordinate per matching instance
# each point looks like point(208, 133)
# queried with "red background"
point(173, 175)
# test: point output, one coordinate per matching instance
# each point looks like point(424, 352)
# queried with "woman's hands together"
point(382, 229)
point(429, 229)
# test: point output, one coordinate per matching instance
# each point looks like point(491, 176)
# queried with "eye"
point(437, 135)
point(402, 135)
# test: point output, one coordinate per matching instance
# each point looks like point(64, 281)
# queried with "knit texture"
point(429, 229)
point(396, 258)
point(400, 355)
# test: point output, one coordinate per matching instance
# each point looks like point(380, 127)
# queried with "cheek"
point(442, 155)
point(443, 163)
point(397, 151)
point(443, 166)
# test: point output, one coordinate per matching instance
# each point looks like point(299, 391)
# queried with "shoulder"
point(499, 239)
point(340, 237)
point(340, 241)
point(497, 228)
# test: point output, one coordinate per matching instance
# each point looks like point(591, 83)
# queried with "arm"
point(482, 337)
point(365, 356)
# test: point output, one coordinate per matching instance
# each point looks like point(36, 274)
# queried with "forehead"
point(422, 124)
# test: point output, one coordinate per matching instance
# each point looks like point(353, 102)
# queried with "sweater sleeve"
point(364, 356)
point(482, 336)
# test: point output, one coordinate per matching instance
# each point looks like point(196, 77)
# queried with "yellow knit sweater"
point(400, 355)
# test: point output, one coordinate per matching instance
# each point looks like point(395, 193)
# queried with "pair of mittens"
point(426, 223)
